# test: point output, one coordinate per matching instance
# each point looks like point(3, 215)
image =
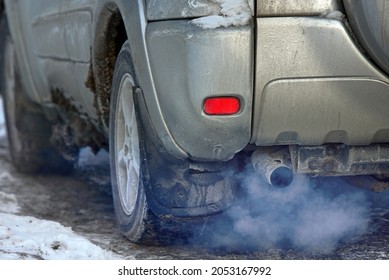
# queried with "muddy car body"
point(183, 92)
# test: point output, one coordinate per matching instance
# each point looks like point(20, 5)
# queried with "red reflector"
point(221, 105)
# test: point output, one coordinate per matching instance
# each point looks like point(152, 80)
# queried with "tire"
point(28, 130)
point(128, 161)
point(156, 197)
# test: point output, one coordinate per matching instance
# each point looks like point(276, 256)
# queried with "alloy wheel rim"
point(127, 152)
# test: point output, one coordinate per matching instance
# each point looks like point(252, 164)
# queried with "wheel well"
point(110, 35)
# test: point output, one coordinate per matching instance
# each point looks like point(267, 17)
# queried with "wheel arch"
point(110, 35)
point(130, 17)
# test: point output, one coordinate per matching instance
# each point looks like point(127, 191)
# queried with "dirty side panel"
point(56, 39)
point(297, 7)
point(313, 85)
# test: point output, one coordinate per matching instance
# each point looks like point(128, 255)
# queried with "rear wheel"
point(135, 219)
point(158, 199)
point(28, 130)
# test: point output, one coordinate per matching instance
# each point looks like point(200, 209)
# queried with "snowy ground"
point(28, 237)
point(24, 237)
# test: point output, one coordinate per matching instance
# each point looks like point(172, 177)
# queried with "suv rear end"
point(303, 80)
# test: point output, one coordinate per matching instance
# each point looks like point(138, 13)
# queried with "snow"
point(335, 15)
point(40, 239)
point(24, 237)
point(31, 238)
point(232, 13)
point(8, 203)
point(194, 4)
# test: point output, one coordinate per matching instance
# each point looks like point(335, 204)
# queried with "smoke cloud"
point(309, 215)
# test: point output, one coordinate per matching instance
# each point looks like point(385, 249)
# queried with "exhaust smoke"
point(308, 216)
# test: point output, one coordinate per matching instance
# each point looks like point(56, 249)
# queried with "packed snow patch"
point(232, 13)
point(335, 15)
point(8, 203)
point(31, 238)
point(195, 4)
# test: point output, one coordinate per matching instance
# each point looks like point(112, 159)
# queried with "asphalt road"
point(83, 201)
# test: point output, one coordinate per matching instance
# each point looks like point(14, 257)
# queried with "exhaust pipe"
point(274, 166)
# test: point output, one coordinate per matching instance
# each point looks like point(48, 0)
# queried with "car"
point(185, 93)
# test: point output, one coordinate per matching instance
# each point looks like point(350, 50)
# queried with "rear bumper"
point(190, 64)
point(312, 84)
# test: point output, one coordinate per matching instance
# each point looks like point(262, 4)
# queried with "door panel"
point(57, 36)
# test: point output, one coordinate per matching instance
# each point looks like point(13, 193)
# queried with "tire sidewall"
point(132, 226)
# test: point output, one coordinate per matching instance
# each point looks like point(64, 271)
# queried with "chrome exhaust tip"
point(273, 166)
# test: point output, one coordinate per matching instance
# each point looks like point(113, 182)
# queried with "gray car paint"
point(21, 15)
point(320, 51)
point(316, 86)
